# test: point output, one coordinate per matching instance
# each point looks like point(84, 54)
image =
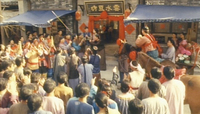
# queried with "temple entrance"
point(108, 30)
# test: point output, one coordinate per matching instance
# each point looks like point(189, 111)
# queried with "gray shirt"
point(170, 54)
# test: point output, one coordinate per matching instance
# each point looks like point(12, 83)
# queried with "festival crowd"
point(61, 75)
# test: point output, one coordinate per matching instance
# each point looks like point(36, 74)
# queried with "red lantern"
point(127, 13)
point(78, 15)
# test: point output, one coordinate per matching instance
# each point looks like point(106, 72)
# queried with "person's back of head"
point(49, 85)
point(19, 61)
point(8, 74)
point(84, 59)
point(135, 106)
point(6, 64)
point(3, 84)
point(125, 86)
point(156, 73)
point(62, 78)
point(101, 82)
point(34, 102)
point(168, 72)
point(154, 85)
point(106, 89)
point(102, 101)
point(35, 77)
point(82, 90)
point(26, 91)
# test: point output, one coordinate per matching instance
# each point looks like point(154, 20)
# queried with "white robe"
point(175, 95)
point(155, 105)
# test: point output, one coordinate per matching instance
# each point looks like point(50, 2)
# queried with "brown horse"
point(191, 82)
point(148, 62)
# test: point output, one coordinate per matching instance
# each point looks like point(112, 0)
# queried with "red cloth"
point(119, 43)
point(132, 55)
point(178, 74)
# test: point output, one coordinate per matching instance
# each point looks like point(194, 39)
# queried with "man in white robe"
point(155, 104)
point(175, 92)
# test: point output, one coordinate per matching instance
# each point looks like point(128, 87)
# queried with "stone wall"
point(51, 4)
point(84, 20)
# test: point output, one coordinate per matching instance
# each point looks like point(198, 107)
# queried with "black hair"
point(84, 59)
point(8, 74)
point(134, 63)
point(18, 61)
point(74, 35)
point(101, 82)
point(102, 101)
point(156, 73)
point(175, 34)
point(27, 71)
point(172, 41)
point(125, 86)
point(82, 90)
point(71, 51)
point(41, 35)
point(63, 78)
point(26, 91)
point(145, 29)
point(5, 64)
point(49, 85)
point(79, 34)
point(34, 86)
point(135, 106)
point(154, 85)
point(34, 102)
point(168, 72)
point(107, 89)
point(35, 77)
point(183, 33)
point(96, 30)
point(58, 50)
point(86, 27)
point(3, 84)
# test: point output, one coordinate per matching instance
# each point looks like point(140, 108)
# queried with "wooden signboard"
point(95, 8)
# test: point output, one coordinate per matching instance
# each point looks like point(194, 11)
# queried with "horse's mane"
point(150, 58)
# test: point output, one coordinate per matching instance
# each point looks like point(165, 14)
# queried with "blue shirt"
point(77, 107)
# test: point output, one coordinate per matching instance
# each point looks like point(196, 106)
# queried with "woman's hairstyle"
point(125, 86)
point(102, 82)
point(172, 41)
point(168, 72)
point(145, 29)
point(135, 106)
point(102, 100)
point(84, 59)
point(106, 89)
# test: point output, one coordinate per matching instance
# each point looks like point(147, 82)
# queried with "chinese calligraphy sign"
point(112, 7)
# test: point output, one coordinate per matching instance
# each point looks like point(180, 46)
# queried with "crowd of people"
point(61, 75)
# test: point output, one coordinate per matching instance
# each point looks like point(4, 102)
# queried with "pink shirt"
point(142, 41)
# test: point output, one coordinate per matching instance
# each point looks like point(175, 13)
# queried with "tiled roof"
point(9, 2)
